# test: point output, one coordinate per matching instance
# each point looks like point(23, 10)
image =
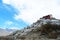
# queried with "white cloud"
point(32, 10)
point(15, 28)
point(8, 23)
point(6, 1)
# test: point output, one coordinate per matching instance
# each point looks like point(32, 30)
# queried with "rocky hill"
point(46, 28)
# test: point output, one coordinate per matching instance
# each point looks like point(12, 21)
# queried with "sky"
point(17, 14)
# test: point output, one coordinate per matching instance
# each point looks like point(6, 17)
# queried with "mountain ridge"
point(46, 28)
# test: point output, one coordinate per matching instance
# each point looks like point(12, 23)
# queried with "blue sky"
point(17, 14)
point(7, 20)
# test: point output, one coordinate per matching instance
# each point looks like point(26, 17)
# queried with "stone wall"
point(6, 38)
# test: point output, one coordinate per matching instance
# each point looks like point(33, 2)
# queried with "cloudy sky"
point(16, 14)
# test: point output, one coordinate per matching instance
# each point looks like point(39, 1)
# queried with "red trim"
point(47, 17)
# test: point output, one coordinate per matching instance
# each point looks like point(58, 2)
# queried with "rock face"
point(46, 28)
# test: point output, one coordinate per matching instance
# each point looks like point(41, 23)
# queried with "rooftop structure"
point(47, 17)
